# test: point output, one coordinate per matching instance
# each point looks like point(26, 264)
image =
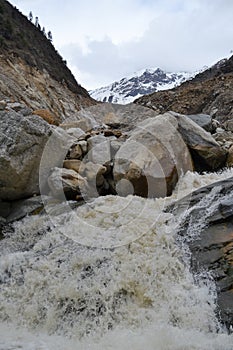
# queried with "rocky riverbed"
point(84, 158)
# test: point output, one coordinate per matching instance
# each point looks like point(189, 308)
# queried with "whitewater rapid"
point(107, 275)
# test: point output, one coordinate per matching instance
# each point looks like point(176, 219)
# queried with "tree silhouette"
point(36, 21)
point(50, 36)
point(30, 16)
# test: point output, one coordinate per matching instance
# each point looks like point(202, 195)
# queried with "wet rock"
point(223, 188)
point(152, 159)
point(5, 208)
point(2, 224)
point(230, 157)
point(210, 209)
point(211, 252)
point(22, 140)
point(226, 303)
point(22, 208)
point(223, 211)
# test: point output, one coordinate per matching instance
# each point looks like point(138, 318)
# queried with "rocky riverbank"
point(84, 158)
point(210, 238)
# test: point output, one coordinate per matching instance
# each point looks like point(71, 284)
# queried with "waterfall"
point(110, 274)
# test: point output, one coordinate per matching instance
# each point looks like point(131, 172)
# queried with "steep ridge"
point(209, 92)
point(31, 70)
point(138, 84)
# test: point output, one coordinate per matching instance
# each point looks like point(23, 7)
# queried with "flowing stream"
point(107, 275)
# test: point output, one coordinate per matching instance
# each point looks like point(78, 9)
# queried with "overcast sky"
point(105, 40)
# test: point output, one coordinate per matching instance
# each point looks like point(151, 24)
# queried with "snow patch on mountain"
point(141, 83)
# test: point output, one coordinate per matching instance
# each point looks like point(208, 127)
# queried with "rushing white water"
point(107, 275)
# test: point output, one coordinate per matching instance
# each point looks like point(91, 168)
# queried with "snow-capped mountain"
point(141, 83)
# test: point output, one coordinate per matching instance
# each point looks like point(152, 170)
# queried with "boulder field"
point(83, 156)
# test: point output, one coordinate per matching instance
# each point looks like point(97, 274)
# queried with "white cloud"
point(104, 40)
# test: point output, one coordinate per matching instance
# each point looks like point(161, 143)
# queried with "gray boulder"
point(203, 120)
point(150, 162)
point(22, 140)
point(206, 152)
point(24, 207)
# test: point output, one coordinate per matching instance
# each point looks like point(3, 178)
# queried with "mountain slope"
point(209, 92)
point(31, 70)
point(138, 84)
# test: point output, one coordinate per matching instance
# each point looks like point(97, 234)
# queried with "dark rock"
point(2, 224)
point(207, 227)
point(203, 120)
point(226, 303)
point(22, 208)
point(5, 208)
point(223, 188)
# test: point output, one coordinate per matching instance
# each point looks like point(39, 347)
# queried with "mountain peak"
point(142, 82)
point(209, 92)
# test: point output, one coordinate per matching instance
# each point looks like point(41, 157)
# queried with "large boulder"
point(150, 162)
point(22, 140)
point(206, 152)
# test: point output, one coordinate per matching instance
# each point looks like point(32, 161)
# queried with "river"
point(107, 275)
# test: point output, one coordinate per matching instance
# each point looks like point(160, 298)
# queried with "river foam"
point(106, 275)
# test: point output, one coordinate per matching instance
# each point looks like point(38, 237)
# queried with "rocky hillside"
point(138, 84)
point(209, 92)
point(31, 70)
